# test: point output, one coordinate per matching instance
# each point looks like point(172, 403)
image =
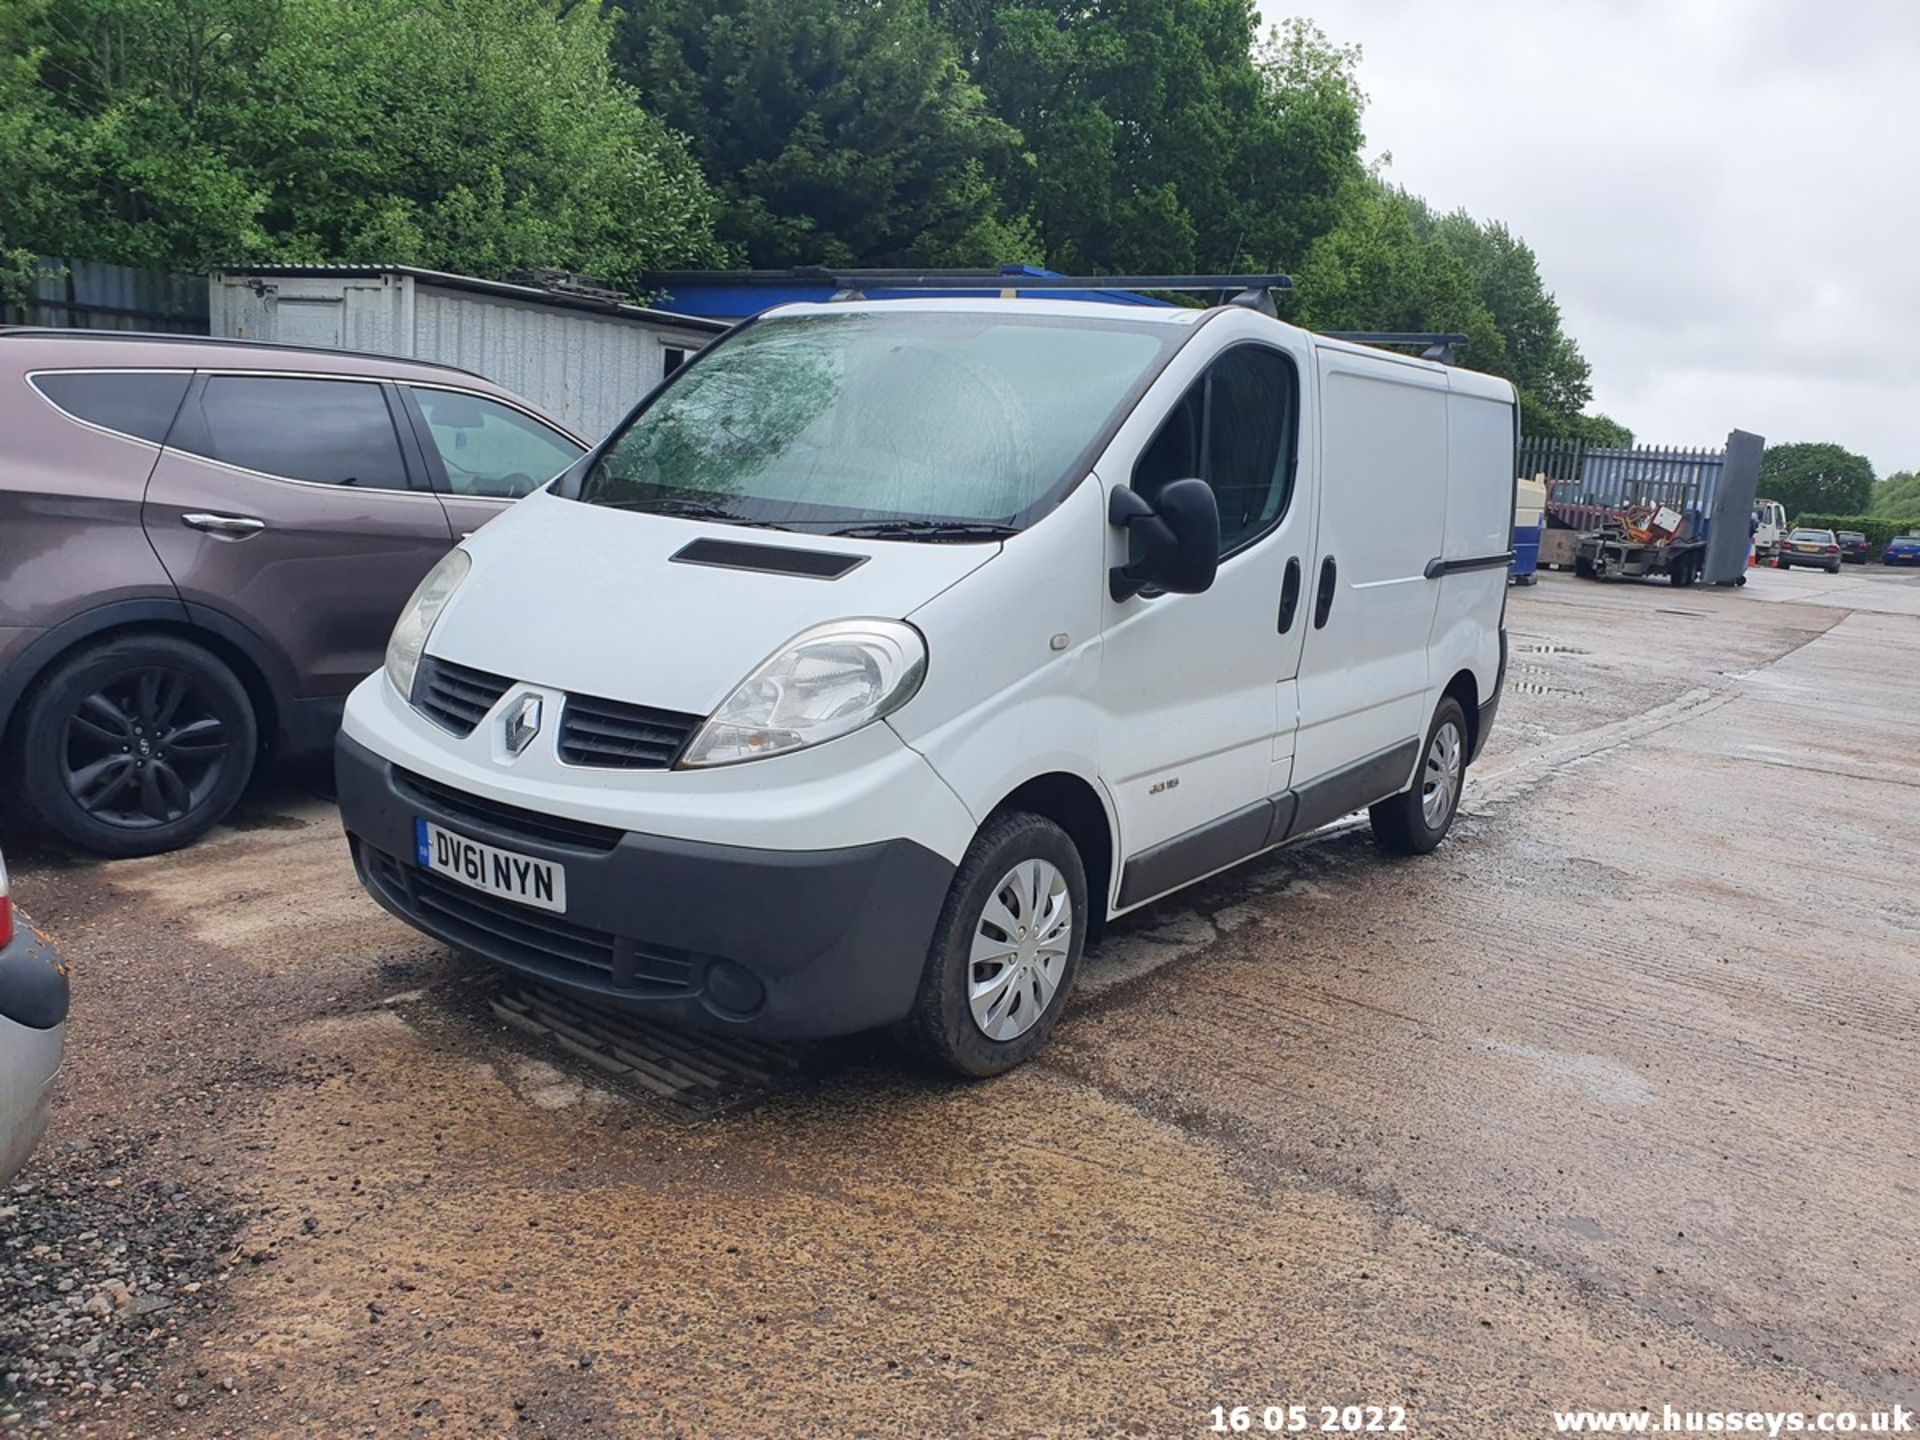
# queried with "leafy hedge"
point(1877, 528)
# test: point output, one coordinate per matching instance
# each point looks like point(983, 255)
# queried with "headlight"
point(829, 680)
point(409, 637)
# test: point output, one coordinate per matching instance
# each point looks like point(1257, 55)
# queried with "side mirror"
point(1179, 537)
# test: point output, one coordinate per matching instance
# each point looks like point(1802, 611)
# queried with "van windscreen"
point(972, 421)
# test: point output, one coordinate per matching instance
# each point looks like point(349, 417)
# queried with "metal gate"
point(93, 295)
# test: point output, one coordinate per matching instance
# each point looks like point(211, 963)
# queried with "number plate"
point(540, 883)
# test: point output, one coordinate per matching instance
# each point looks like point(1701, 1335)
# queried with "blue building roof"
point(736, 295)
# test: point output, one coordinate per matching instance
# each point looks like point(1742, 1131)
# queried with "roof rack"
point(1432, 345)
point(1254, 291)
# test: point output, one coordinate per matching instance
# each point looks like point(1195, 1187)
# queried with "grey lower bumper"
point(720, 937)
point(33, 1014)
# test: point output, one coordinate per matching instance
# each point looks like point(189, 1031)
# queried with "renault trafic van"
point(889, 650)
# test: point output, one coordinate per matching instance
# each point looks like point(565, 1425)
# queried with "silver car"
point(33, 1030)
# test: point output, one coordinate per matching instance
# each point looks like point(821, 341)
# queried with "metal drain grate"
point(695, 1072)
point(1549, 647)
point(1534, 687)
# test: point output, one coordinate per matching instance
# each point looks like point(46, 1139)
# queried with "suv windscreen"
point(870, 420)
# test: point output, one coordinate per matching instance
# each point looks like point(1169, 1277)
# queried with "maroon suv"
point(203, 546)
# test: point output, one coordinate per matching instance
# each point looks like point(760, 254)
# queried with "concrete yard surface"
point(1608, 1103)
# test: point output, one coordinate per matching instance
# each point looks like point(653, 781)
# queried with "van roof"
point(993, 304)
point(1469, 382)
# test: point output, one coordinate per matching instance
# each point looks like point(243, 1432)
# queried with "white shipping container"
point(583, 360)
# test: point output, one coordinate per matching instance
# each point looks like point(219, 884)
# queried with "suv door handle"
point(1290, 594)
point(1323, 599)
point(238, 526)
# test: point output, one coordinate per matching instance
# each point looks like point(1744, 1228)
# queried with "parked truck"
point(1769, 527)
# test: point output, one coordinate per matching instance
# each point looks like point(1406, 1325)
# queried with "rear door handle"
point(1290, 594)
point(1323, 599)
point(235, 525)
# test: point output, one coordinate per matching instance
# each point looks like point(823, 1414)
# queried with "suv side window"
point(140, 403)
point(331, 432)
point(1233, 429)
point(489, 449)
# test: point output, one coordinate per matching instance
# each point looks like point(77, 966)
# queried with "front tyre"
point(1006, 949)
point(136, 745)
point(1417, 819)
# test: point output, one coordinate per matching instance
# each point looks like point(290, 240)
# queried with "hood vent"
point(768, 559)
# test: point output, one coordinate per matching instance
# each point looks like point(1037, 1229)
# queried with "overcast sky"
point(1724, 194)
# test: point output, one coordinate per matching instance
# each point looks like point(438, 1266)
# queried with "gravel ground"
point(1608, 1102)
point(102, 1264)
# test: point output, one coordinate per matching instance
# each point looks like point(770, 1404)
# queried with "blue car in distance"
point(1902, 550)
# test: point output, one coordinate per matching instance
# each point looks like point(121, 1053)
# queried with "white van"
point(889, 650)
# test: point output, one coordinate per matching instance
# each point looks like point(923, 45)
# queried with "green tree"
point(1506, 276)
point(837, 133)
point(1159, 139)
point(1375, 270)
point(1816, 478)
point(1897, 497)
point(474, 135)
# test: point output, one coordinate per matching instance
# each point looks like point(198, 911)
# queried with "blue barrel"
point(1526, 552)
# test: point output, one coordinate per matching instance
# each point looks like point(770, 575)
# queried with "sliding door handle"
point(1323, 597)
point(1290, 594)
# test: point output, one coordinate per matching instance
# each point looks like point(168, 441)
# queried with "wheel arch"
point(252, 661)
point(1075, 805)
point(1465, 689)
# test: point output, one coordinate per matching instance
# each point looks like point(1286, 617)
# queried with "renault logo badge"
point(523, 723)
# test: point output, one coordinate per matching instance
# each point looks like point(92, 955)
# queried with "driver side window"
point(1234, 429)
point(489, 449)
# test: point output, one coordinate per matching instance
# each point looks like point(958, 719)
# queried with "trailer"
point(1643, 540)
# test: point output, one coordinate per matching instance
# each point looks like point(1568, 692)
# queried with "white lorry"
point(1769, 529)
point(889, 650)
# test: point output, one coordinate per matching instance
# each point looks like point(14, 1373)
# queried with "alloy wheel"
point(144, 749)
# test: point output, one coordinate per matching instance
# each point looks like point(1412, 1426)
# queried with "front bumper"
point(33, 1014)
point(776, 943)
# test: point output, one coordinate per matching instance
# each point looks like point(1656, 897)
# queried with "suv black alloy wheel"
point(136, 745)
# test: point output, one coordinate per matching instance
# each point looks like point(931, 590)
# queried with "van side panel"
point(1479, 524)
point(1364, 676)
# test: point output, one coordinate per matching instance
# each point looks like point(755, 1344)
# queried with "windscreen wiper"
point(936, 530)
point(691, 509)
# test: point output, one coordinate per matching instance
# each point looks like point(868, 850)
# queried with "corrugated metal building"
point(583, 359)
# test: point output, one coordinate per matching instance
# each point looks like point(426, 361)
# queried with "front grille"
point(455, 697)
point(508, 821)
point(519, 934)
point(611, 734)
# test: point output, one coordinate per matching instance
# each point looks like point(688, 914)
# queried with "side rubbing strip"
point(1381, 774)
point(1200, 851)
point(1255, 828)
point(768, 559)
